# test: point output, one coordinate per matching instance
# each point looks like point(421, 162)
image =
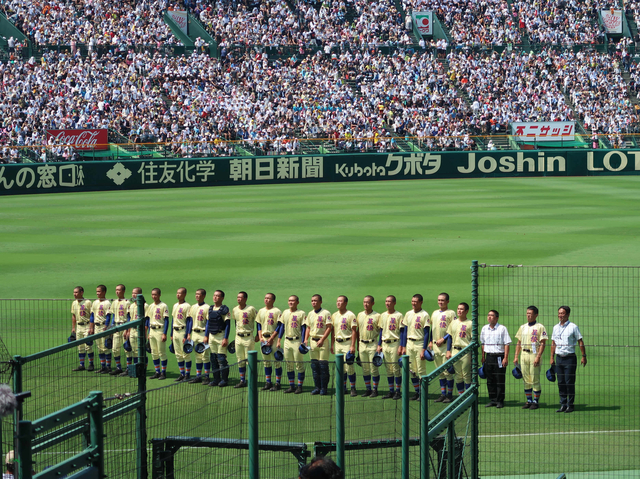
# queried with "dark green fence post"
point(451, 451)
point(96, 431)
point(405, 416)
point(141, 410)
point(252, 377)
point(475, 465)
point(340, 412)
point(424, 427)
point(24, 463)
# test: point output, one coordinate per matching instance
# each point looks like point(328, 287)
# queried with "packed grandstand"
point(291, 76)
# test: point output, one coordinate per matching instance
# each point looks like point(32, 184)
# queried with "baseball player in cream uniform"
point(389, 343)
point(460, 333)
point(245, 318)
point(440, 321)
point(294, 329)
point(181, 324)
point(368, 322)
point(217, 334)
point(158, 314)
point(267, 320)
point(319, 327)
point(80, 322)
point(120, 315)
point(100, 321)
point(532, 339)
point(200, 315)
point(132, 334)
point(417, 329)
point(343, 339)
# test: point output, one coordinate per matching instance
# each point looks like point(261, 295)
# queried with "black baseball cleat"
point(241, 384)
point(116, 372)
point(353, 392)
point(79, 368)
point(397, 395)
point(389, 395)
point(441, 398)
point(196, 380)
point(206, 380)
point(162, 376)
point(180, 379)
point(101, 370)
point(562, 409)
point(266, 387)
point(213, 384)
point(90, 367)
point(527, 405)
point(500, 405)
point(569, 409)
point(323, 392)
point(298, 390)
point(534, 406)
point(447, 399)
point(123, 374)
point(315, 391)
point(290, 390)
point(416, 397)
point(374, 394)
point(276, 387)
point(155, 376)
point(221, 384)
point(367, 393)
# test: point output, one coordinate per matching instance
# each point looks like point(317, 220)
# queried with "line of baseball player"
point(287, 336)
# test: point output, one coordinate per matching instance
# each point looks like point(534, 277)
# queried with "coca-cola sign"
point(97, 139)
point(612, 20)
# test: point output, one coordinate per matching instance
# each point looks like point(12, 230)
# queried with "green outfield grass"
point(379, 238)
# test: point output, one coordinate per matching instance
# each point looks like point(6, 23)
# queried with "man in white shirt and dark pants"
point(563, 345)
point(495, 342)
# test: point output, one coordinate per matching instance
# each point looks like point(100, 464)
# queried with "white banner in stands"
point(423, 22)
point(180, 19)
point(544, 130)
point(612, 20)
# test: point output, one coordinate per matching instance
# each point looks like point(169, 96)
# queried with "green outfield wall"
point(172, 173)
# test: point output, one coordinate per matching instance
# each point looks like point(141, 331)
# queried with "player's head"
point(316, 302)
point(78, 292)
point(493, 316)
point(218, 297)
point(120, 290)
point(101, 290)
point(181, 294)
point(416, 302)
point(269, 299)
point(321, 468)
point(201, 295)
point(443, 301)
point(463, 309)
point(563, 313)
point(341, 302)
point(155, 294)
point(293, 302)
point(532, 314)
point(136, 291)
point(368, 303)
point(390, 303)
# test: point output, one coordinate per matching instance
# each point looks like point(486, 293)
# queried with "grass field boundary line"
point(487, 436)
point(484, 265)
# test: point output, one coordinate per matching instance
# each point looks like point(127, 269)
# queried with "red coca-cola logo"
point(80, 139)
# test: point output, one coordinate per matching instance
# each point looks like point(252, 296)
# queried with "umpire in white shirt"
point(563, 345)
point(495, 342)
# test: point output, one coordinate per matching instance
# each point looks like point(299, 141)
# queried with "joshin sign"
point(424, 22)
point(612, 20)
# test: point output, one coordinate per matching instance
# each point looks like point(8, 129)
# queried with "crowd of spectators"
point(94, 23)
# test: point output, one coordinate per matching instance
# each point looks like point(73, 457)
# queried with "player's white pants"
point(215, 343)
point(343, 348)
point(198, 337)
point(243, 346)
point(82, 331)
point(530, 373)
point(118, 341)
point(439, 358)
point(158, 348)
point(367, 351)
point(178, 345)
point(462, 368)
point(414, 351)
point(390, 351)
point(292, 355)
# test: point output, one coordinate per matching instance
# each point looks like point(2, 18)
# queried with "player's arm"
point(518, 349)
point(280, 329)
point(304, 333)
point(127, 332)
point(187, 330)
point(447, 337)
point(327, 331)
point(206, 328)
point(403, 340)
point(147, 324)
point(380, 341)
point(73, 323)
point(227, 331)
point(354, 338)
point(260, 336)
point(583, 361)
point(107, 321)
point(536, 361)
point(425, 341)
point(171, 328)
point(165, 327)
point(92, 325)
